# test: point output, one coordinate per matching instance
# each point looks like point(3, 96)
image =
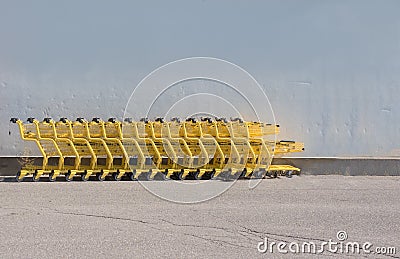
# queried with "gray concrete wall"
point(330, 68)
point(9, 166)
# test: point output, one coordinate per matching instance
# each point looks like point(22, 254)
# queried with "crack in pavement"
point(151, 225)
point(262, 235)
point(246, 232)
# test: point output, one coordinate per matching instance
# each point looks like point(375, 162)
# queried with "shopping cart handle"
point(191, 119)
point(237, 119)
point(208, 119)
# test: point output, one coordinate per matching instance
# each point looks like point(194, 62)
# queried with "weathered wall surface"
point(330, 68)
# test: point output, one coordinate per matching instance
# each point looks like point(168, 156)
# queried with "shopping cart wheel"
point(131, 176)
point(180, 176)
point(243, 174)
point(161, 176)
point(99, 177)
point(231, 177)
point(51, 176)
point(115, 176)
point(34, 177)
point(67, 177)
point(226, 176)
point(212, 175)
point(274, 174)
point(259, 174)
point(289, 174)
point(146, 176)
point(17, 177)
point(83, 177)
point(196, 175)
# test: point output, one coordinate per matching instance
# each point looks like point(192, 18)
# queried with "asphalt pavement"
point(124, 220)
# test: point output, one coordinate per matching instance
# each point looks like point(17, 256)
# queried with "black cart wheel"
point(147, 176)
point(67, 175)
point(161, 176)
point(180, 175)
point(258, 174)
point(83, 177)
point(115, 176)
point(51, 176)
point(196, 175)
point(289, 174)
point(212, 175)
point(131, 176)
point(34, 177)
point(99, 177)
point(17, 177)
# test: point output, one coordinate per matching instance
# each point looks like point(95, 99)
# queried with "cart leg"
point(132, 176)
point(86, 175)
point(70, 175)
point(120, 174)
point(137, 174)
point(170, 172)
point(201, 173)
point(53, 175)
point(37, 175)
point(153, 174)
point(185, 174)
point(216, 173)
point(248, 173)
point(102, 176)
point(21, 175)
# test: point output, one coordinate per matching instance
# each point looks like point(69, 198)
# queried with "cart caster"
point(289, 174)
point(180, 176)
point(197, 176)
point(233, 177)
point(17, 177)
point(212, 176)
point(34, 179)
point(274, 174)
point(243, 174)
point(258, 174)
point(115, 176)
point(132, 176)
point(99, 177)
point(227, 176)
point(83, 177)
point(67, 177)
point(162, 176)
point(146, 176)
point(51, 179)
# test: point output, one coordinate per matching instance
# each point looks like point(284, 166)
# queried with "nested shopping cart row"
point(145, 148)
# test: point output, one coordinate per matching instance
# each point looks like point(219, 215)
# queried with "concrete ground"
point(123, 220)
